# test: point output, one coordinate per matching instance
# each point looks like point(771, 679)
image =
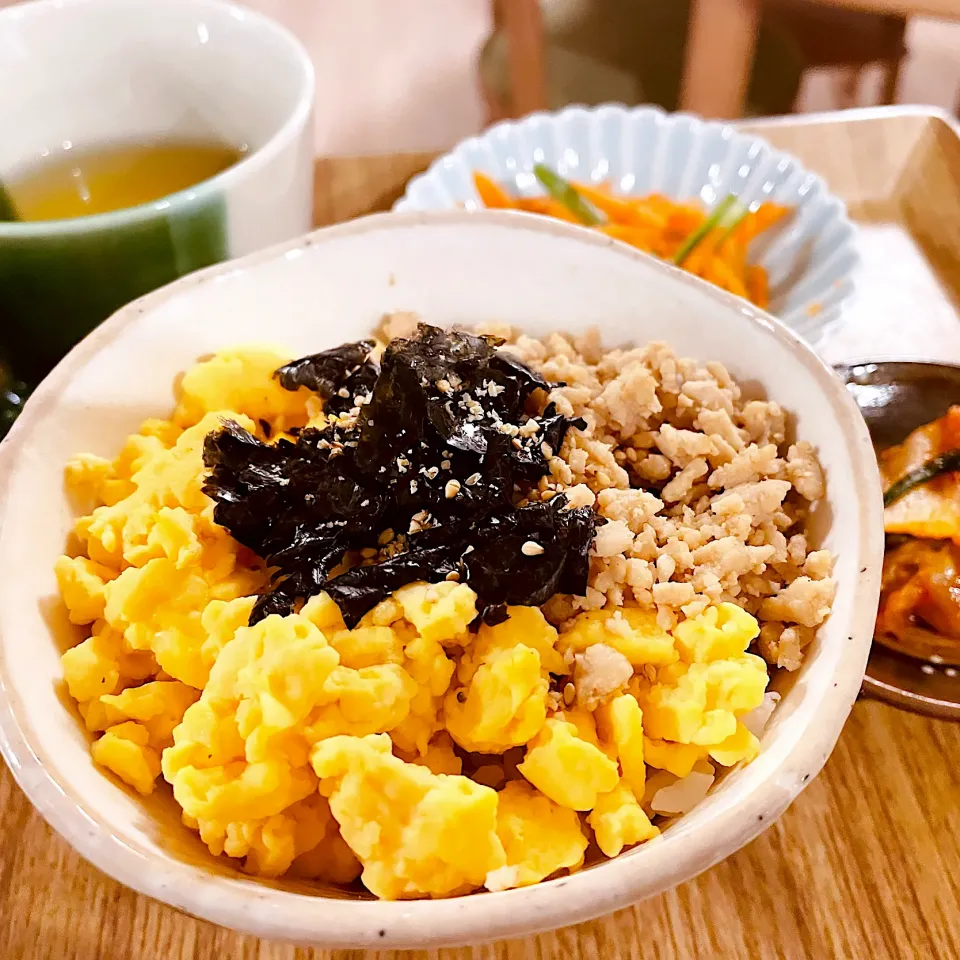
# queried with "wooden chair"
point(840, 37)
point(802, 30)
point(521, 23)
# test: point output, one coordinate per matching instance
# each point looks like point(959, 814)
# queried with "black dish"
point(895, 397)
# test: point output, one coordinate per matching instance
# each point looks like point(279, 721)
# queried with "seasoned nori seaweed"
point(337, 375)
point(436, 446)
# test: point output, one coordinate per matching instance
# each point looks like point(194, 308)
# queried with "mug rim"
point(200, 191)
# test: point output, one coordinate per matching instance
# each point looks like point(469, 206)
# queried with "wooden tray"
point(865, 864)
point(898, 169)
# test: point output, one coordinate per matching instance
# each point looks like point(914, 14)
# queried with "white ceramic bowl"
point(811, 260)
point(313, 293)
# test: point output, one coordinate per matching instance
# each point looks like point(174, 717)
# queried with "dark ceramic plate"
point(896, 397)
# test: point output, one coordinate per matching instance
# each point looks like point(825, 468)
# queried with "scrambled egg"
point(415, 832)
point(569, 770)
point(503, 702)
point(539, 837)
point(302, 748)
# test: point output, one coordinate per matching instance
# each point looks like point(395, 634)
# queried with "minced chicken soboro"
point(705, 500)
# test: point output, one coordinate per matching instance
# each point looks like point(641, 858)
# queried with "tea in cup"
point(144, 140)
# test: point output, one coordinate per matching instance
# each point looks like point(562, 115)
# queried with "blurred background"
point(417, 75)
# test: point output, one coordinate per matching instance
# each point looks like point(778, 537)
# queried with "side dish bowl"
point(452, 267)
point(895, 397)
point(811, 261)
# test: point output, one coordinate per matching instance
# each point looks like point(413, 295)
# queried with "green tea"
point(81, 182)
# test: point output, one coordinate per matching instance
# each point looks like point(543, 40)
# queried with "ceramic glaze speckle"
point(548, 276)
point(811, 261)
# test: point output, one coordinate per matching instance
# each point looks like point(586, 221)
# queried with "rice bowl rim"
point(252, 907)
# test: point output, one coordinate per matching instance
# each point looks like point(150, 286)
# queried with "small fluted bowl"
point(811, 260)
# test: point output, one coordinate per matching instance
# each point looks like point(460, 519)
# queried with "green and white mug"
point(107, 71)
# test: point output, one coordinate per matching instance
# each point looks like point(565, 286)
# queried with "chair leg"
point(897, 41)
point(495, 110)
point(848, 87)
point(523, 28)
point(891, 81)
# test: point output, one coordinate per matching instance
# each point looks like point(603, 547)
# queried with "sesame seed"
point(451, 489)
point(444, 464)
point(531, 549)
point(343, 392)
point(569, 692)
point(444, 386)
point(546, 450)
point(517, 442)
point(431, 472)
point(453, 575)
point(473, 479)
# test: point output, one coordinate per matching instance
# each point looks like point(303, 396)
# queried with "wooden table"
point(866, 863)
point(722, 39)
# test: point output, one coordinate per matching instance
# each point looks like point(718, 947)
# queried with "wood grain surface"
point(865, 864)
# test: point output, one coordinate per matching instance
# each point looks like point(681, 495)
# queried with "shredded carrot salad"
point(710, 244)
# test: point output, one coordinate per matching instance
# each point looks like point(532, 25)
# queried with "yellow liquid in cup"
point(81, 182)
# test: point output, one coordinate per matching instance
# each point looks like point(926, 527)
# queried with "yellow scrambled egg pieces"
point(426, 759)
point(502, 702)
point(416, 832)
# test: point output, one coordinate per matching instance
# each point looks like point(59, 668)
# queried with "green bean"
point(565, 193)
point(946, 463)
point(717, 218)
